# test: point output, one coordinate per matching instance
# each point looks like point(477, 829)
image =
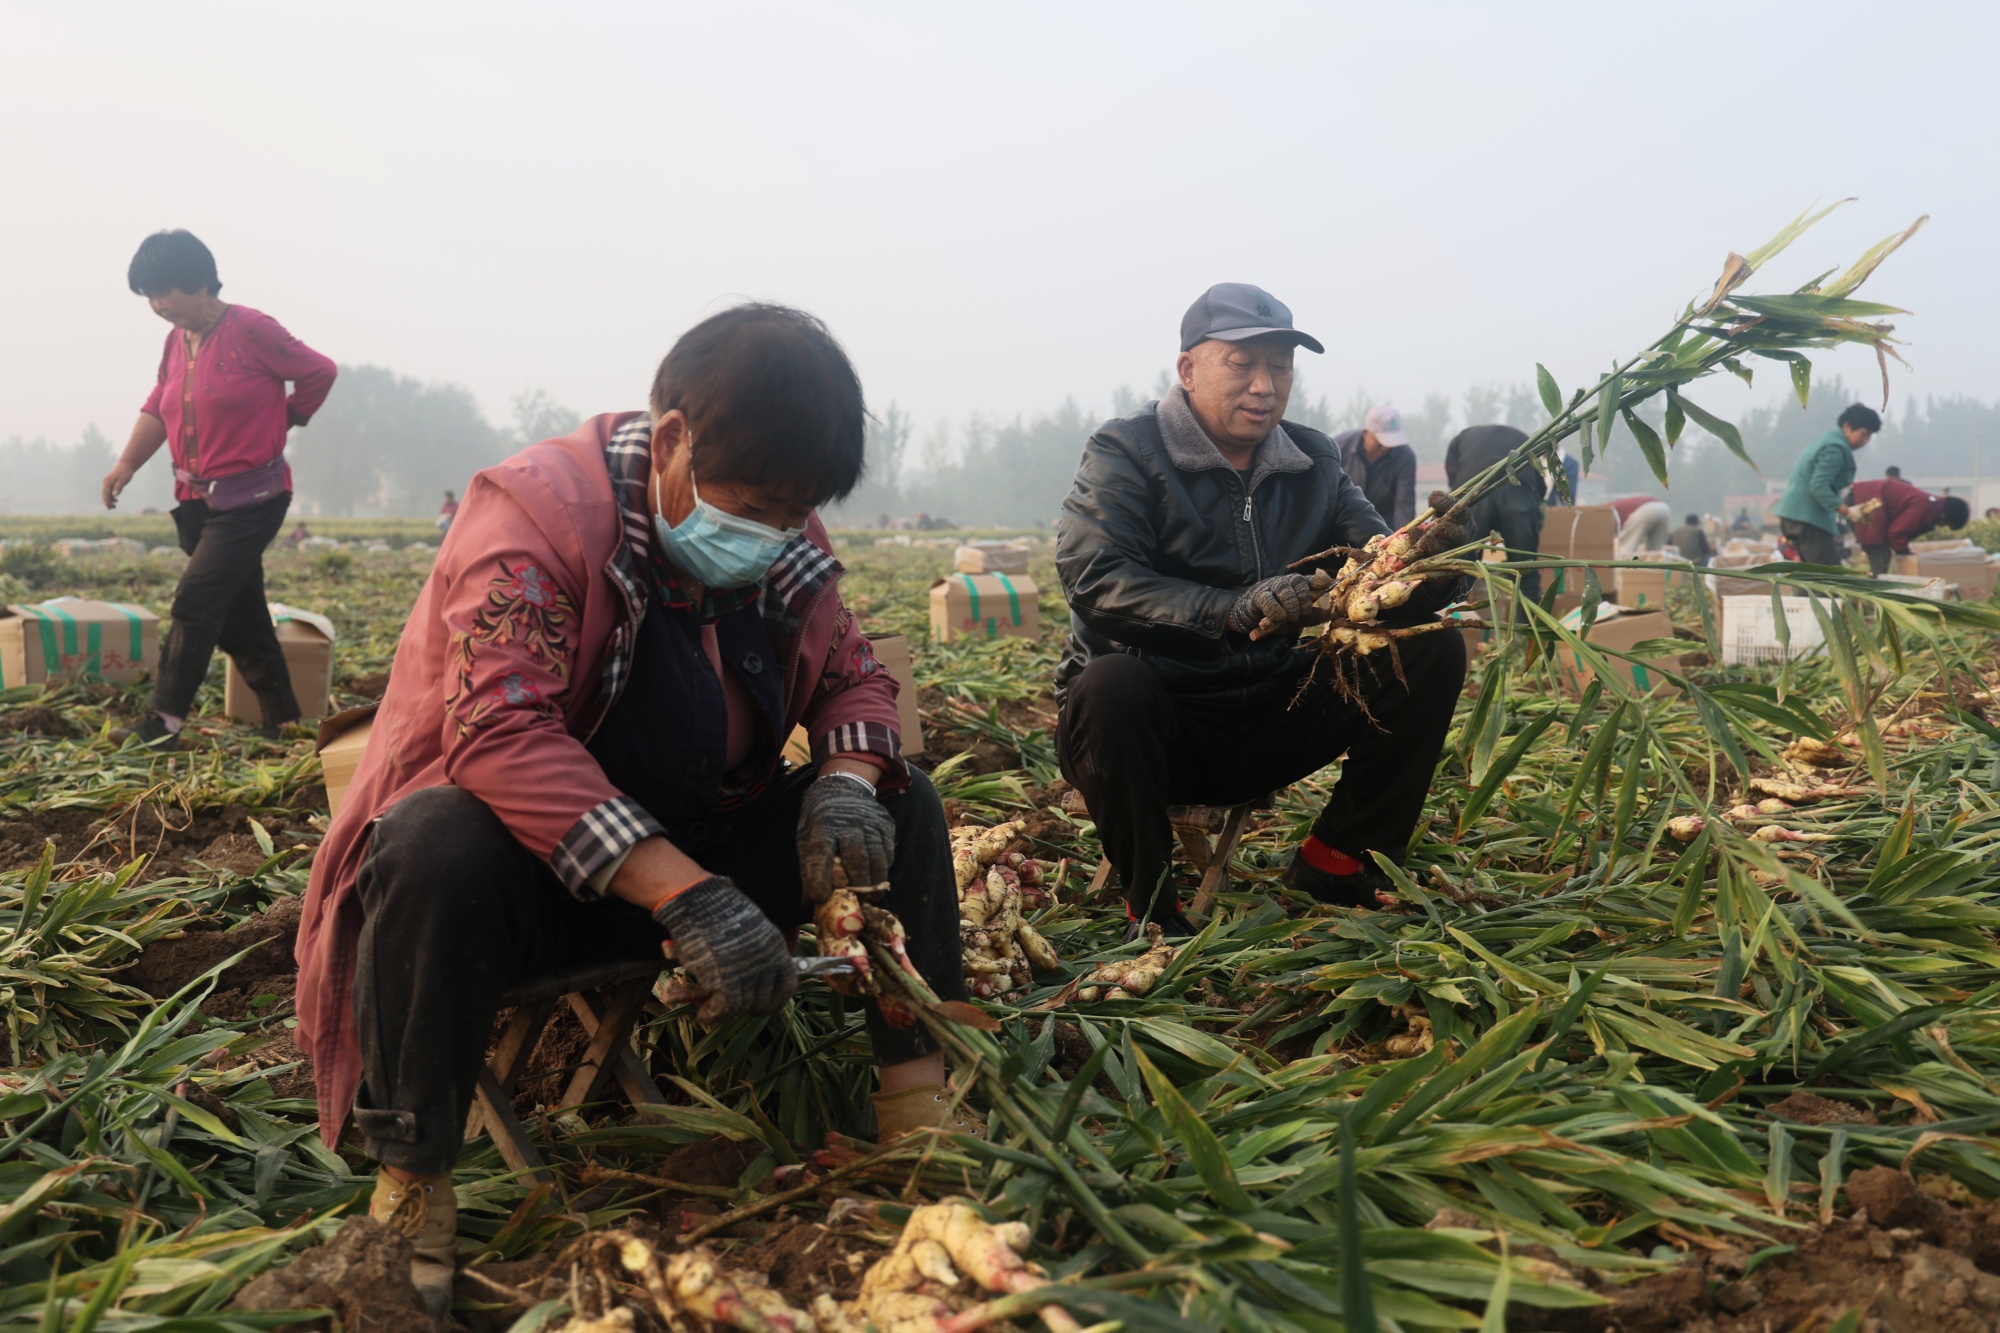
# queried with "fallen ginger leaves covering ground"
point(1595, 1077)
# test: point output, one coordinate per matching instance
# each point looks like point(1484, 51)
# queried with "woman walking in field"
point(221, 406)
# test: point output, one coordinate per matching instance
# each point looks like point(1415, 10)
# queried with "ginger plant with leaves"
point(1715, 333)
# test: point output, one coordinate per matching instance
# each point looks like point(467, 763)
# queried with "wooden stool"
point(608, 1023)
point(1194, 826)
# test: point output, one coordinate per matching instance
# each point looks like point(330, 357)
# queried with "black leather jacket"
point(1159, 535)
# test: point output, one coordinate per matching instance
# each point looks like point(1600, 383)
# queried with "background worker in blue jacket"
point(1809, 514)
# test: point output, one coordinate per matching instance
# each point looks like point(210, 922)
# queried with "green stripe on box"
point(972, 590)
point(132, 616)
point(1641, 679)
point(92, 643)
point(1013, 598)
point(51, 653)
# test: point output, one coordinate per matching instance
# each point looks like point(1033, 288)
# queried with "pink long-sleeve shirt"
point(240, 410)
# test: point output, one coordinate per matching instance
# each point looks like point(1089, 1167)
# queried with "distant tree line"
point(388, 445)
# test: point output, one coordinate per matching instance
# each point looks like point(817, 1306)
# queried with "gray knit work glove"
point(842, 824)
point(730, 949)
point(1279, 605)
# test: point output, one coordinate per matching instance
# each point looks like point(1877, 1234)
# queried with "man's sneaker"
point(927, 1106)
point(1365, 888)
point(1173, 923)
point(425, 1210)
point(150, 731)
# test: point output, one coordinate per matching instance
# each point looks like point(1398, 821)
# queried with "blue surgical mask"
point(720, 549)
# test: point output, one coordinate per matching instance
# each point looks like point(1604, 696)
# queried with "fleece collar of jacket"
point(1190, 449)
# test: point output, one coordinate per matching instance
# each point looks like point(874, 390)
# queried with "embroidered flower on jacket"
point(517, 689)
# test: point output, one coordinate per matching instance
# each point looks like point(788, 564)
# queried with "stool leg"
point(510, 1057)
point(627, 1068)
point(510, 1136)
point(1100, 879)
point(614, 1025)
point(1218, 866)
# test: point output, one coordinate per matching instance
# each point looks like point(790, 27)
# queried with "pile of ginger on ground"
point(947, 1262)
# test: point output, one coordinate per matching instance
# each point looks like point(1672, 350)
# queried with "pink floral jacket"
point(518, 646)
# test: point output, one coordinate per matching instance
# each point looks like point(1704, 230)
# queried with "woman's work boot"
point(927, 1106)
point(425, 1210)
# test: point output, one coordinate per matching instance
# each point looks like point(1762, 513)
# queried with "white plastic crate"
point(1749, 633)
point(1930, 587)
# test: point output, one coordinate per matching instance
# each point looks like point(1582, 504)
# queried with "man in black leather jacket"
point(1182, 680)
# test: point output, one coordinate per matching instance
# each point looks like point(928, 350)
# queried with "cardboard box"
point(1641, 589)
point(307, 638)
point(991, 557)
point(893, 652)
point(1583, 532)
point(1966, 565)
point(1618, 629)
point(987, 606)
point(108, 641)
point(343, 738)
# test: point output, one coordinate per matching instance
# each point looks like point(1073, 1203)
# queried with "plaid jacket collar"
point(784, 595)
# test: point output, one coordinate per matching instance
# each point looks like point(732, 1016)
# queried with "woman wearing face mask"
point(578, 753)
point(221, 407)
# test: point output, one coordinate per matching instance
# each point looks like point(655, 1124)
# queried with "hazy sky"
point(995, 207)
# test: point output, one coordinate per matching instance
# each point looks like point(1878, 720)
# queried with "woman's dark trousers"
point(220, 604)
point(456, 912)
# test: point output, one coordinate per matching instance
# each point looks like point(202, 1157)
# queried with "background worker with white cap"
point(1378, 458)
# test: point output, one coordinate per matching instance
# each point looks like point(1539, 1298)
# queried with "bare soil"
point(261, 982)
point(177, 841)
point(1909, 1262)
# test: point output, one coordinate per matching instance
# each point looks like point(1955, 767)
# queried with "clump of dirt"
point(371, 686)
point(502, 1292)
point(1809, 1108)
point(1905, 1259)
point(36, 720)
point(801, 1259)
point(718, 1162)
point(363, 1274)
point(262, 981)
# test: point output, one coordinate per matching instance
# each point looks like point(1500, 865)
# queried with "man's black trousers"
point(220, 604)
point(456, 911)
point(1133, 748)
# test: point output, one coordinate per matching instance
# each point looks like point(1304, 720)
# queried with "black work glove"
point(1279, 605)
point(1446, 533)
point(842, 824)
point(730, 950)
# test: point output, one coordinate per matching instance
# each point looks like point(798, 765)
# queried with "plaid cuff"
point(602, 836)
point(874, 739)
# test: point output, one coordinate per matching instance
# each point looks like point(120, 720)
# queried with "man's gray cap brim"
point(1305, 340)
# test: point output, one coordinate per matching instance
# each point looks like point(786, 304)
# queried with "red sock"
point(1330, 860)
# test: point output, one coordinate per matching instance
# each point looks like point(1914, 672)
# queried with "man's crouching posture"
point(1175, 547)
point(577, 756)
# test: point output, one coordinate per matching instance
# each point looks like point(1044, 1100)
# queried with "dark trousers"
point(456, 911)
point(1880, 557)
point(220, 604)
point(1816, 546)
point(1133, 748)
point(1516, 514)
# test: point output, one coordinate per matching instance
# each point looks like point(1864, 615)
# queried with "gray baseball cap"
point(1233, 311)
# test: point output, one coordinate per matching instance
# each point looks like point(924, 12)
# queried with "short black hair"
point(1894, 471)
point(1694, 520)
point(772, 401)
point(1861, 417)
point(1957, 513)
point(173, 261)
